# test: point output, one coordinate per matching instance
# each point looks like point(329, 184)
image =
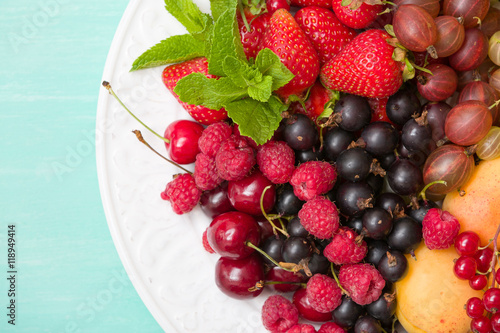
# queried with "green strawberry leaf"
point(173, 49)
point(226, 42)
point(270, 64)
point(256, 119)
point(197, 89)
point(189, 15)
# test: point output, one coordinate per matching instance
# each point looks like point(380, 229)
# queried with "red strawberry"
point(365, 67)
point(173, 73)
point(284, 37)
point(358, 14)
point(325, 31)
point(306, 3)
point(251, 40)
point(274, 5)
point(315, 102)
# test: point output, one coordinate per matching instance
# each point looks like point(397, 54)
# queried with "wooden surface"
point(69, 277)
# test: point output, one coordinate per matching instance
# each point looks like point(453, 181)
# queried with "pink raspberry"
point(279, 314)
point(363, 282)
point(206, 245)
point(346, 247)
point(276, 160)
point(320, 217)
point(323, 293)
point(302, 328)
point(182, 193)
point(439, 229)
point(330, 327)
point(251, 142)
point(205, 172)
point(212, 137)
point(235, 158)
point(313, 178)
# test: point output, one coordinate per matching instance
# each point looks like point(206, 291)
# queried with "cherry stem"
point(107, 85)
point(256, 248)
point(138, 134)
point(345, 292)
point(268, 218)
point(302, 284)
point(422, 193)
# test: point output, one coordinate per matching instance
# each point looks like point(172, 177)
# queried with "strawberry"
point(315, 103)
point(284, 37)
point(306, 3)
point(357, 14)
point(365, 67)
point(173, 73)
point(274, 5)
point(325, 31)
point(379, 112)
point(251, 39)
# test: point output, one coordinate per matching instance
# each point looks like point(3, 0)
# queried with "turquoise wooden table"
point(65, 274)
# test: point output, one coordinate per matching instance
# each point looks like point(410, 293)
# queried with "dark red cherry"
point(216, 202)
point(183, 136)
point(306, 311)
point(229, 232)
point(235, 277)
point(245, 194)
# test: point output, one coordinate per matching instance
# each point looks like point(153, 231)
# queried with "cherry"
point(478, 282)
point(235, 277)
point(182, 136)
point(229, 232)
point(480, 325)
point(245, 194)
point(274, 5)
point(467, 243)
point(474, 307)
point(277, 274)
point(465, 267)
point(491, 300)
point(216, 202)
point(305, 310)
point(483, 258)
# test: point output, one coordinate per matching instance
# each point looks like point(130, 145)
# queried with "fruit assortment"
point(325, 136)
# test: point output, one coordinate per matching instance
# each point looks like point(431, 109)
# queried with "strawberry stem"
point(138, 134)
point(108, 87)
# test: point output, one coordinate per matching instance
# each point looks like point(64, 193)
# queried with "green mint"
point(189, 15)
point(270, 64)
point(171, 50)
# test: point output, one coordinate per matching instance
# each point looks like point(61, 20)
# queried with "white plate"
point(161, 251)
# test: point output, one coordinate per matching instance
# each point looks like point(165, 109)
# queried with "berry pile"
point(375, 127)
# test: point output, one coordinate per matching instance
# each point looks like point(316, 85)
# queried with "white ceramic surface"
point(161, 251)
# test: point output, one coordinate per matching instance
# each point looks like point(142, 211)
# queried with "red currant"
point(491, 299)
point(467, 243)
point(474, 307)
point(497, 276)
point(483, 258)
point(480, 325)
point(478, 282)
point(495, 322)
point(465, 268)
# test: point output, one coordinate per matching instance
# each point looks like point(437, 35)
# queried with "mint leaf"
point(270, 64)
point(197, 89)
point(225, 42)
point(256, 119)
point(218, 7)
point(173, 49)
point(189, 15)
point(240, 72)
point(262, 90)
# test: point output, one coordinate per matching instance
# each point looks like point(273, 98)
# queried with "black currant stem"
point(256, 248)
point(282, 229)
point(138, 134)
point(494, 259)
point(107, 85)
point(422, 193)
point(345, 292)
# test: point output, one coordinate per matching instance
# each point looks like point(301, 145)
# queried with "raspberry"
point(323, 293)
point(319, 217)
point(276, 160)
point(182, 193)
point(206, 245)
point(251, 142)
point(235, 158)
point(205, 173)
point(279, 314)
point(313, 178)
point(439, 229)
point(362, 281)
point(212, 137)
point(302, 328)
point(346, 247)
point(330, 327)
